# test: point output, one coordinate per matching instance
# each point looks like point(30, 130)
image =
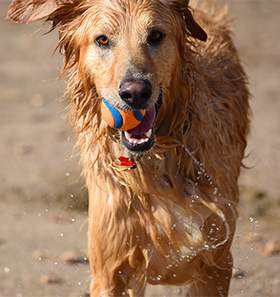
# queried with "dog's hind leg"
point(117, 290)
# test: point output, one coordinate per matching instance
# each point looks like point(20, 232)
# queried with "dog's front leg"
point(104, 282)
point(103, 250)
point(116, 259)
point(98, 291)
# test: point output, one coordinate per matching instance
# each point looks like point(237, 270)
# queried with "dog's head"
point(125, 50)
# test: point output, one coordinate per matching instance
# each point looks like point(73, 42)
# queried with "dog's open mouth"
point(141, 138)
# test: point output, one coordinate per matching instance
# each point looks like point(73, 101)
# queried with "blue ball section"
point(116, 115)
point(138, 115)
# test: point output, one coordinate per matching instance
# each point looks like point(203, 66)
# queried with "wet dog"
point(165, 212)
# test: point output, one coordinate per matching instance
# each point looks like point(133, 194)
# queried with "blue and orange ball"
point(121, 119)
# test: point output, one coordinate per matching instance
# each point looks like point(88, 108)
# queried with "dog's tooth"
point(149, 133)
point(127, 135)
point(129, 139)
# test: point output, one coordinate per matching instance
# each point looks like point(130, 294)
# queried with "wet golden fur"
point(172, 219)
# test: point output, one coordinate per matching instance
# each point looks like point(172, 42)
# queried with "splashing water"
point(203, 171)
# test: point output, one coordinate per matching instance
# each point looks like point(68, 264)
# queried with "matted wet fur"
point(171, 220)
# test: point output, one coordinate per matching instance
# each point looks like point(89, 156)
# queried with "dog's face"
point(127, 51)
point(129, 55)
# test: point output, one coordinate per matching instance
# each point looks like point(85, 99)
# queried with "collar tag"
point(123, 164)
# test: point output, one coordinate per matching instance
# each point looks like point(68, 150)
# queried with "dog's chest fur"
point(158, 228)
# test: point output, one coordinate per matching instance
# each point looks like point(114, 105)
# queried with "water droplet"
point(61, 234)
point(174, 275)
point(159, 277)
point(178, 291)
point(7, 269)
point(67, 173)
point(169, 266)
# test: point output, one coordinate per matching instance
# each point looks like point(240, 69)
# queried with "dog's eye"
point(155, 37)
point(102, 41)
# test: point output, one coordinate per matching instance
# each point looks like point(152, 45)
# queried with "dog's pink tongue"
point(146, 123)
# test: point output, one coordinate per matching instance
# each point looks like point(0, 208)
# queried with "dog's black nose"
point(136, 92)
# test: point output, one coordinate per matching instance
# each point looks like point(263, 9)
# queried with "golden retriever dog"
point(163, 194)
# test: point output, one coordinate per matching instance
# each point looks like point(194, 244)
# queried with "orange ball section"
point(128, 118)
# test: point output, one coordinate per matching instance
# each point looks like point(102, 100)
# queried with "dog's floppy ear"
point(28, 11)
point(195, 30)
